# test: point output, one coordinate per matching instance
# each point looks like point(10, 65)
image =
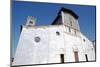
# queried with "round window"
point(37, 39)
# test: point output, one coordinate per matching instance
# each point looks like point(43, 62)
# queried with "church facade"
point(59, 42)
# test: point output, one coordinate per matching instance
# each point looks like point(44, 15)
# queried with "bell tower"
point(69, 19)
point(30, 21)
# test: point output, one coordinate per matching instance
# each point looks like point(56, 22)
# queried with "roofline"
point(55, 19)
point(69, 11)
point(66, 10)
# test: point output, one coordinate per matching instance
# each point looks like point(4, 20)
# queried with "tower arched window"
point(31, 22)
point(71, 22)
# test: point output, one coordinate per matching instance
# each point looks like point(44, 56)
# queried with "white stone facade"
point(53, 44)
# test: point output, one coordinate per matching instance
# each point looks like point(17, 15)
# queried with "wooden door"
point(76, 56)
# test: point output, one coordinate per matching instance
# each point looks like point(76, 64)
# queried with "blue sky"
point(45, 13)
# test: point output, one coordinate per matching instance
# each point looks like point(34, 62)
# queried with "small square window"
point(57, 33)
